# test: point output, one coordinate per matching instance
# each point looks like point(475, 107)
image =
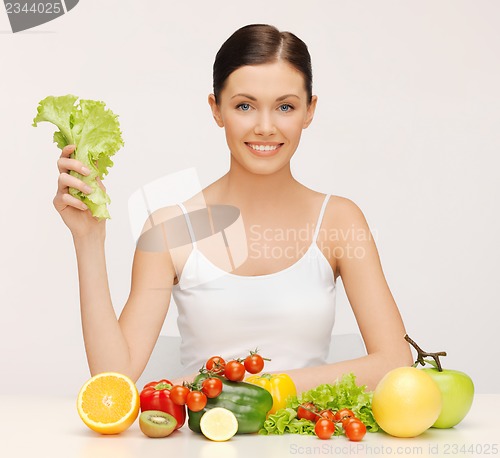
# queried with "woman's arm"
point(122, 345)
point(357, 262)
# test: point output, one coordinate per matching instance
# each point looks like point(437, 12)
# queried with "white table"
point(32, 426)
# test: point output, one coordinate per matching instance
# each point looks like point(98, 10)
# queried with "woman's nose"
point(264, 124)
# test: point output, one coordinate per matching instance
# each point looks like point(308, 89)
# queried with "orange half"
point(108, 403)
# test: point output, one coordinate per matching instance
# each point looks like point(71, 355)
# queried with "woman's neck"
point(252, 190)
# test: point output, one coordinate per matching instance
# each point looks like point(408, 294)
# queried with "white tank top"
point(288, 315)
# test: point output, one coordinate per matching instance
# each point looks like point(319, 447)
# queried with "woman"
point(282, 304)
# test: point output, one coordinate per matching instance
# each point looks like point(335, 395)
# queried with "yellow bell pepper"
point(280, 386)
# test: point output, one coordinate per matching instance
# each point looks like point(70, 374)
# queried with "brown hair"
point(256, 44)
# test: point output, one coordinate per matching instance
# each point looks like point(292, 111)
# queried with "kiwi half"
point(154, 423)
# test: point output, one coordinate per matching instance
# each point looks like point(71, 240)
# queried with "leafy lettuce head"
point(96, 133)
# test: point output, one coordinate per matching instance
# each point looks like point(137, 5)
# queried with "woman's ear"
point(310, 111)
point(215, 110)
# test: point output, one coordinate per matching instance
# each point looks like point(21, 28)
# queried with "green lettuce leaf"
point(96, 133)
point(57, 110)
point(286, 421)
point(344, 393)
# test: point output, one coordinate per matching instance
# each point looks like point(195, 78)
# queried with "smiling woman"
point(263, 96)
point(282, 302)
point(258, 122)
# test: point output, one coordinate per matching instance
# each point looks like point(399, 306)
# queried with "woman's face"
point(263, 109)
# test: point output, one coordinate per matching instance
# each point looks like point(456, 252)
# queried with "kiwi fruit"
point(154, 423)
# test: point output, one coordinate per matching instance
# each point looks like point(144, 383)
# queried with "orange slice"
point(108, 403)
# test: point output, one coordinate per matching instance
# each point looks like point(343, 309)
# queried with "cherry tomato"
point(196, 401)
point(216, 365)
point(254, 363)
point(339, 416)
point(324, 428)
point(347, 420)
point(178, 394)
point(355, 430)
point(328, 414)
point(234, 371)
point(212, 387)
point(307, 411)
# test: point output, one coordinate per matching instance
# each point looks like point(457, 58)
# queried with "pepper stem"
point(266, 376)
point(421, 354)
point(163, 386)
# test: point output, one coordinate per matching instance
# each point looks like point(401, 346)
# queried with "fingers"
point(66, 181)
point(68, 150)
point(61, 201)
point(65, 163)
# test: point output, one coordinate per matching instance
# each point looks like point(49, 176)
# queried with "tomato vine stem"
point(421, 354)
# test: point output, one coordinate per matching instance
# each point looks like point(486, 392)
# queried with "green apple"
point(457, 390)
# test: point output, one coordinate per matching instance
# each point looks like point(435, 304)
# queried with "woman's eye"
point(286, 107)
point(243, 106)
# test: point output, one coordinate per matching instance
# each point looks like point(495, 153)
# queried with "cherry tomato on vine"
point(216, 365)
point(196, 401)
point(234, 371)
point(328, 414)
point(254, 363)
point(304, 411)
point(178, 394)
point(342, 413)
point(324, 428)
point(355, 430)
point(211, 387)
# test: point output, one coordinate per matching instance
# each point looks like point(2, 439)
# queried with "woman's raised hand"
point(73, 211)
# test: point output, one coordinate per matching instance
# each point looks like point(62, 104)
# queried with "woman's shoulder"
point(343, 212)
point(338, 207)
point(170, 212)
point(339, 210)
point(161, 216)
point(343, 205)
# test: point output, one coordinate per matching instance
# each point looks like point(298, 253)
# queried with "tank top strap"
point(188, 222)
point(320, 218)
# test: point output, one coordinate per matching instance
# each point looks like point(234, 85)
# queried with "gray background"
point(406, 126)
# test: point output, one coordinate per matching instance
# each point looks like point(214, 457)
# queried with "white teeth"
point(263, 148)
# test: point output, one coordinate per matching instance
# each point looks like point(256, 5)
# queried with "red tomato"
point(328, 414)
point(254, 363)
point(308, 411)
point(196, 401)
point(212, 387)
point(216, 365)
point(324, 428)
point(347, 420)
point(355, 430)
point(339, 416)
point(178, 394)
point(234, 371)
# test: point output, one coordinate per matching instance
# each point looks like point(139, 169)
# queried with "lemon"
point(218, 424)
point(406, 402)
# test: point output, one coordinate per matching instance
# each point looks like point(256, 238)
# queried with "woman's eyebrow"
point(251, 97)
point(283, 97)
point(244, 95)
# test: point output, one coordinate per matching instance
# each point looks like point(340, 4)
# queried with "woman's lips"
point(263, 149)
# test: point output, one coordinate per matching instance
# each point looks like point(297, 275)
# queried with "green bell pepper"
point(249, 403)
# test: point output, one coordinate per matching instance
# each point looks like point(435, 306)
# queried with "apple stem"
point(421, 354)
